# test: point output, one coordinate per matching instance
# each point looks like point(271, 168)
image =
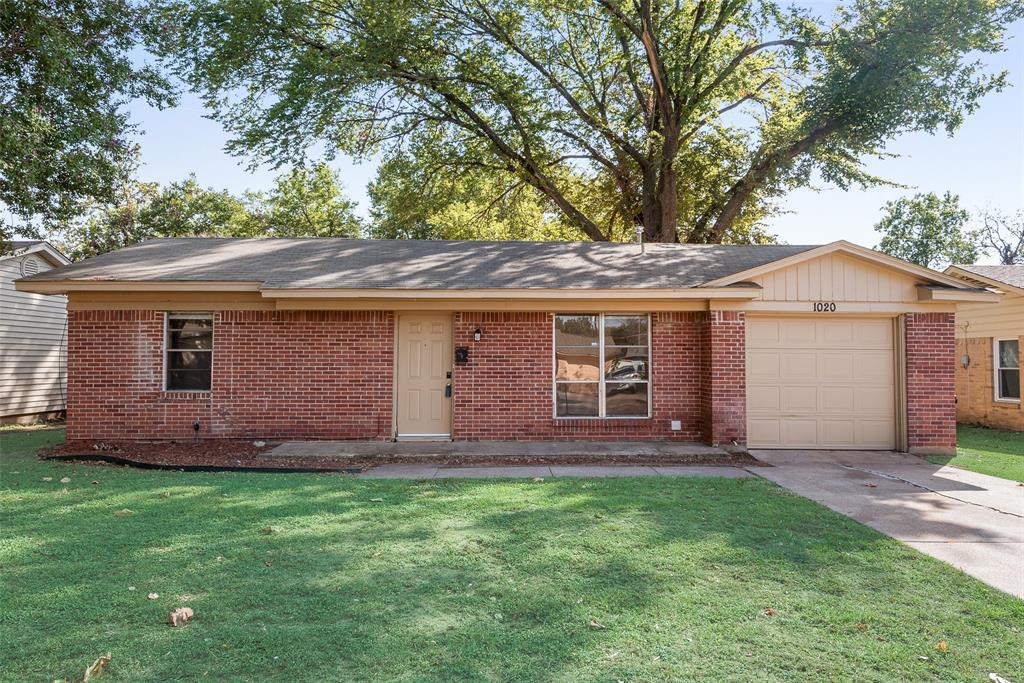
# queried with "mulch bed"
point(236, 454)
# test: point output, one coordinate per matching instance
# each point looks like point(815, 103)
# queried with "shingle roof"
point(1011, 275)
point(426, 264)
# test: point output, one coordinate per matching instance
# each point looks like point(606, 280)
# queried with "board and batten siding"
point(835, 277)
point(33, 345)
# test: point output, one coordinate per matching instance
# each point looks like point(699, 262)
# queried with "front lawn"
point(987, 451)
point(327, 578)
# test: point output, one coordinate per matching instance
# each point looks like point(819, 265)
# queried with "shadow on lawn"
point(342, 578)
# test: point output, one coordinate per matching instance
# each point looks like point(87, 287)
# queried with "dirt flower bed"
point(237, 453)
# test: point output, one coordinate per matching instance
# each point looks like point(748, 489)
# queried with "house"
point(988, 340)
point(833, 346)
point(32, 337)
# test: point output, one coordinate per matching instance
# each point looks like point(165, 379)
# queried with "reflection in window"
point(602, 365)
point(189, 345)
point(1007, 369)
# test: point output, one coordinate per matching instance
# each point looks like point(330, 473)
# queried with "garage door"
point(821, 383)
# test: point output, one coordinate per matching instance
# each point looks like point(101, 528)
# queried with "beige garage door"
point(820, 383)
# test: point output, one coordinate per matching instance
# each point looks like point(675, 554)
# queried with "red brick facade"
point(931, 382)
point(303, 374)
point(505, 390)
point(328, 374)
point(724, 378)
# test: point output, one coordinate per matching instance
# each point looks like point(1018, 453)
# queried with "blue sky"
point(983, 163)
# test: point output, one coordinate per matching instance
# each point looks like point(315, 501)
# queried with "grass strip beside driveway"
point(996, 452)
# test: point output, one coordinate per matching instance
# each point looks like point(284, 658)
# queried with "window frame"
point(996, 367)
point(601, 398)
point(168, 316)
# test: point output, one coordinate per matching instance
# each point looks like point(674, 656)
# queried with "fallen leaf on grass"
point(597, 625)
point(942, 645)
point(180, 616)
point(153, 596)
point(47, 478)
point(376, 500)
point(165, 494)
point(97, 667)
point(267, 530)
point(922, 658)
point(65, 480)
point(131, 588)
point(599, 516)
point(538, 480)
point(124, 513)
point(862, 626)
point(269, 563)
point(94, 482)
point(768, 612)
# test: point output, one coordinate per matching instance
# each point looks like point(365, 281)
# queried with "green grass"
point(469, 580)
point(987, 451)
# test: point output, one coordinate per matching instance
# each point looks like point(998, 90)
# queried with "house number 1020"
point(824, 306)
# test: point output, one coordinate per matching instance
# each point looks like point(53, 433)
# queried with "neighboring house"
point(989, 340)
point(833, 346)
point(32, 337)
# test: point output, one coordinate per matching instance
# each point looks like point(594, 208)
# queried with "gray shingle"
point(427, 264)
point(1011, 275)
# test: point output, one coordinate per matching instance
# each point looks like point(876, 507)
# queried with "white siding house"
point(33, 341)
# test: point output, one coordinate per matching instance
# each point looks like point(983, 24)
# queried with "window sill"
point(178, 395)
point(1011, 401)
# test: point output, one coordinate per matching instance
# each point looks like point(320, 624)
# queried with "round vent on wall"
point(29, 266)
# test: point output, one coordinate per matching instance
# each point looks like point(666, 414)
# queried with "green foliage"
point(692, 119)
point(67, 70)
point(928, 230)
point(305, 202)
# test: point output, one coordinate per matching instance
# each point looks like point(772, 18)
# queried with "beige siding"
point(33, 351)
point(836, 277)
point(1004, 319)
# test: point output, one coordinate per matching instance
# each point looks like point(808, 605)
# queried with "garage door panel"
point(821, 383)
point(836, 365)
point(764, 399)
point(765, 431)
point(799, 365)
point(838, 399)
point(837, 432)
point(763, 365)
point(799, 431)
point(878, 400)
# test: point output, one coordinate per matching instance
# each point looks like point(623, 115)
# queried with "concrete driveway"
point(972, 521)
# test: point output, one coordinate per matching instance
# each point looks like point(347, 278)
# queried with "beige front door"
point(423, 405)
point(815, 383)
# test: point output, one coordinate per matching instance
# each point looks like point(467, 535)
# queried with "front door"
point(424, 375)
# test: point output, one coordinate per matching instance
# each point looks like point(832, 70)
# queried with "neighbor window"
point(1007, 367)
point(602, 365)
point(189, 344)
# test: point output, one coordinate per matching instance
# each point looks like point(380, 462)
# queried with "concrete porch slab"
point(492, 449)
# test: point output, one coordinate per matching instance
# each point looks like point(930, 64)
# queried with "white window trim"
point(601, 381)
point(167, 348)
point(996, 368)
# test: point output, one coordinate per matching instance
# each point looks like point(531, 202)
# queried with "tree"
point(306, 202)
point(927, 230)
point(690, 118)
point(1003, 234)
point(302, 203)
point(67, 69)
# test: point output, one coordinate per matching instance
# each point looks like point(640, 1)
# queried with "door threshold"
point(423, 437)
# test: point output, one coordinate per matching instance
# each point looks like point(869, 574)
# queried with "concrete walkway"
point(489, 449)
point(544, 471)
point(972, 521)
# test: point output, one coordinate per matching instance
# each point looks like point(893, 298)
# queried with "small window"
point(602, 365)
point(1007, 367)
point(189, 345)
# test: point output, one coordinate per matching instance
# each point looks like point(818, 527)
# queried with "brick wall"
point(505, 391)
point(724, 378)
point(976, 403)
point(931, 362)
point(311, 374)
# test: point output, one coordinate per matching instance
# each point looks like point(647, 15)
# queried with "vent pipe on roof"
point(640, 237)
